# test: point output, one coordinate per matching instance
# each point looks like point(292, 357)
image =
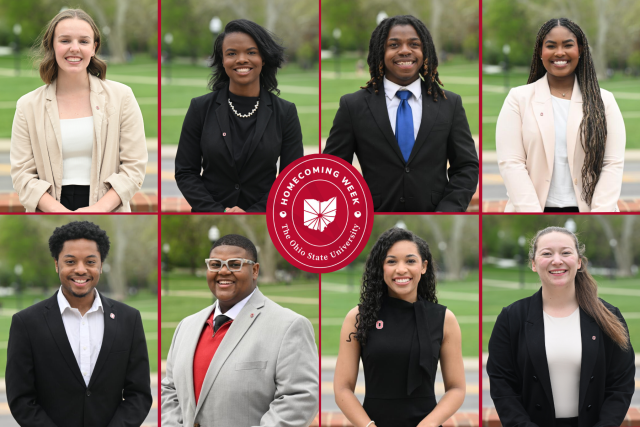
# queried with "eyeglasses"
point(233, 264)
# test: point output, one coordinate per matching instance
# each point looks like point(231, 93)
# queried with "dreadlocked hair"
point(374, 288)
point(593, 128)
point(377, 44)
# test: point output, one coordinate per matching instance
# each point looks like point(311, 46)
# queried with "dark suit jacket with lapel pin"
point(206, 172)
point(423, 184)
point(45, 387)
point(519, 373)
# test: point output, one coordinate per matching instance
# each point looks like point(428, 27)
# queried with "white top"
point(77, 146)
point(561, 191)
point(233, 311)
point(84, 332)
point(563, 344)
point(415, 102)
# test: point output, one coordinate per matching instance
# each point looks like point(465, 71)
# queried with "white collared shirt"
point(415, 102)
point(84, 332)
point(233, 311)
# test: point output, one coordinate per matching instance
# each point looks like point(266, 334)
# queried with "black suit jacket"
point(45, 387)
point(519, 373)
point(362, 126)
point(206, 171)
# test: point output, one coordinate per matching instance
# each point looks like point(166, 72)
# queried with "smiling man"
point(411, 137)
point(78, 358)
point(244, 361)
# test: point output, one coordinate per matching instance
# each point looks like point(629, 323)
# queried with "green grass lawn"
point(142, 66)
point(338, 298)
point(176, 308)
point(495, 296)
point(144, 301)
point(624, 86)
point(348, 82)
point(296, 85)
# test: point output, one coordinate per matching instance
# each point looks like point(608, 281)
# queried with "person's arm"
point(136, 392)
point(48, 204)
point(133, 157)
point(619, 384)
point(341, 141)
point(20, 379)
point(188, 163)
point(346, 373)
point(452, 373)
point(24, 174)
point(464, 169)
point(607, 191)
point(503, 378)
point(295, 402)
point(170, 404)
point(109, 202)
point(512, 158)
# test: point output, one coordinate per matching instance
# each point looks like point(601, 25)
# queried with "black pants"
point(569, 209)
point(75, 196)
point(567, 422)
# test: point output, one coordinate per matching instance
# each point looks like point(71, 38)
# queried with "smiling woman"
point(77, 144)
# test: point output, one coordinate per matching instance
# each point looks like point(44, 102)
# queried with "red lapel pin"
point(593, 337)
point(251, 315)
point(542, 114)
point(379, 324)
point(113, 316)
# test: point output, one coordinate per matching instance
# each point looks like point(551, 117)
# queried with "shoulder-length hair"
point(587, 291)
point(270, 49)
point(374, 288)
point(46, 55)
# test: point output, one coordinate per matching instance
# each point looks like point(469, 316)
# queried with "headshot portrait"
point(559, 121)
point(400, 119)
point(77, 143)
point(78, 355)
point(416, 357)
point(560, 352)
point(246, 360)
point(253, 117)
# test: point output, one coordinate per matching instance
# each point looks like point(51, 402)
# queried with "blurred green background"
point(508, 39)
point(187, 48)
point(612, 246)
point(453, 242)
point(130, 272)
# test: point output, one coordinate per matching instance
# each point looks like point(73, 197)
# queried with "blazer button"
point(535, 378)
point(407, 170)
point(590, 379)
point(237, 186)
point(538, 407)
point(401, 199)
point(588, 407)
point(88, 393)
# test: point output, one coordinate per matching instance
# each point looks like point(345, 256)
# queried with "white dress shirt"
point(84, 332)
point(233, 311)
point(561, 191)
point(415, 102)
point(77, 147)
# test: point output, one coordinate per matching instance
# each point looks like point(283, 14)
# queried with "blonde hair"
point(46, 56)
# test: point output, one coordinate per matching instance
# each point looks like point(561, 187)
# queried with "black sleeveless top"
point(400, 361)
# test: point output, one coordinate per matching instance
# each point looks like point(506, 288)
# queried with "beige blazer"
point(119, 157)
point(525, 146)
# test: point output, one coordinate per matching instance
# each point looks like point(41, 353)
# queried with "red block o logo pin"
point(593, 337)
point(379, 324)
point(251, 315)
point(113, 316)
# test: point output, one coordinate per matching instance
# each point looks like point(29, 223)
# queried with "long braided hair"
point(593, 128)
point(374, 288)
point(377, 44)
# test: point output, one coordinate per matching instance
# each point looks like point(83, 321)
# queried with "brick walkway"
point(461, 419)
point(625, 205)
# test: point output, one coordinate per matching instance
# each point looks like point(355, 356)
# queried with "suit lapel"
point(189, 347)
point(573, 125)
point(378, 106)
point(264, 114)
point(543, 111)
point(54, 145)
point(591, 335)
point(222, 115)
point(98, 109)
point(243, 321)
point(110, 332)
point(53, 319)
point(536, 345)
point(429, 114)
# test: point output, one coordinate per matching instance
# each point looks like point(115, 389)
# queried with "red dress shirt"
point(206, 348)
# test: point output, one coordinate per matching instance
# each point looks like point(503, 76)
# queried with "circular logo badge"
point(320, 213)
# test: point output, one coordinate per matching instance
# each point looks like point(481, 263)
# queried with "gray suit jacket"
point(265, 372)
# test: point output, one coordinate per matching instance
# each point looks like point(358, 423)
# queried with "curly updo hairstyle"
point(374, 288)
point(270, 49)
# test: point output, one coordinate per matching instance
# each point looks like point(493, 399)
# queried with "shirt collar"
point(63, 303)
point(390, 88)
point(233, 311)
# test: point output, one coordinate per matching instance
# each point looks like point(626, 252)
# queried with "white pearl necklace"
point(244, 115)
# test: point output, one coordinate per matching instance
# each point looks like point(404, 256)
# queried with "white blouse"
point(561, 191)
point(77, 146)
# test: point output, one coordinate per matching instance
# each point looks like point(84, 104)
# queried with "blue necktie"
point(404, 124)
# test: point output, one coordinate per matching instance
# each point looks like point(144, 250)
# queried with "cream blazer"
point(525, 146)
point(119, 156)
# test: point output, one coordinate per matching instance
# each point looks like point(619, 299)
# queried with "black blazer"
point(362, 126)
point(45, 387)
point(206, 172)
point(519, 374)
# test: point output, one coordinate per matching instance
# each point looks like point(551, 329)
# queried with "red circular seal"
point(320, 213)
